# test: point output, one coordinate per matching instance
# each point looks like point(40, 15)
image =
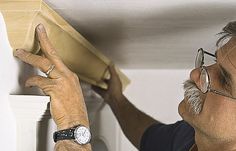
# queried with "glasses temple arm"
point(221, 93)
point(209, 53)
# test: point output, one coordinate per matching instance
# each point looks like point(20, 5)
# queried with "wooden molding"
point(78, 54)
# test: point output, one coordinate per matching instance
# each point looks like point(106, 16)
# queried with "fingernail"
point(40, 28)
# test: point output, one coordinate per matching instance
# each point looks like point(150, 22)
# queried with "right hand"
point(114, 90)
point(62, 85)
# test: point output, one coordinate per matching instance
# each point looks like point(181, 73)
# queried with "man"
point(209, 107)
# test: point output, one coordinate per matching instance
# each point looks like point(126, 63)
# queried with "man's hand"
point(67, 102)
point(114, 90)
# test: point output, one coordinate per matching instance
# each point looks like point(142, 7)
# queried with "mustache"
point(193, 96)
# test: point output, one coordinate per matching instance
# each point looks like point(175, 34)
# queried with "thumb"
point(112, 70)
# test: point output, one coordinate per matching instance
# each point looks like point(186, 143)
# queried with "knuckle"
point(60, 82)
point(66, 79)
point(49, 87)
point(45, 61)
point(37, 80)
point(43, 36)
point(27, 55)
point(51, 51)
point(40, 61)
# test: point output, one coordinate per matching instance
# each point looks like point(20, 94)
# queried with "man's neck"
point(204, 143)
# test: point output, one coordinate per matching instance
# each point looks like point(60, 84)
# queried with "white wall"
point(8, 80)
point(157, 93)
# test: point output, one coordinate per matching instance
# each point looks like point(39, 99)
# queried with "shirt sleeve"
point(172, 137)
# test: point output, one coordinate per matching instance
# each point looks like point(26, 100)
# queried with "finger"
point(35, 60)
point(112, 70)
point(99, 90)
point(43, 83)
point(47, 47)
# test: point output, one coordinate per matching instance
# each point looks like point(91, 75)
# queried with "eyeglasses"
point(205, 82)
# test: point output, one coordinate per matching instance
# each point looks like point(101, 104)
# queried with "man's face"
point(212, 114)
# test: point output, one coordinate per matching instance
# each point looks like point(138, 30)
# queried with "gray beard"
point(192, 94)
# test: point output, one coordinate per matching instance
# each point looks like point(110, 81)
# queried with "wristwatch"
point(80, 134)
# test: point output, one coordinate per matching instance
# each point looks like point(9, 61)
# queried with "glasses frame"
point(208, 80)
point(202, 60)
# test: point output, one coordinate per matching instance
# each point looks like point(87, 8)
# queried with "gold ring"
point(50, 69)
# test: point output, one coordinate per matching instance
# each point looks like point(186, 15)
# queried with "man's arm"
point(132, 121)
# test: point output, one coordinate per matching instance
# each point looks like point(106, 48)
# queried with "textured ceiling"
point(148, 34)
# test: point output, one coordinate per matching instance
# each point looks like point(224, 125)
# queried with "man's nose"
point(195, 76)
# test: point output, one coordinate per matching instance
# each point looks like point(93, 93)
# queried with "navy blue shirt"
point(173, 137)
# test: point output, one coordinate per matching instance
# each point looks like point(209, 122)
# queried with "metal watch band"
point(64, 134)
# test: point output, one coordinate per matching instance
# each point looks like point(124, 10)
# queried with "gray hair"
point(228, 31)
point(193, 96)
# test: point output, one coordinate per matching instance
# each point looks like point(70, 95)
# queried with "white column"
point(28, 111)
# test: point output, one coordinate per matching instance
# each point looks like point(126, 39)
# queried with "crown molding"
point(77, 53)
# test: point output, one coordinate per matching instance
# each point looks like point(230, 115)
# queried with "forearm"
point(132, 121)
point(68, 145)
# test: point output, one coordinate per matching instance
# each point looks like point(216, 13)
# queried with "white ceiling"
point(148, 34)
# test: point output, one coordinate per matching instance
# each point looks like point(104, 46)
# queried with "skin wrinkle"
point(227, 77)
point(226, 80)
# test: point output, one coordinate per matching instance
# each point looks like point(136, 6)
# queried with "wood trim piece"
point(78, 54)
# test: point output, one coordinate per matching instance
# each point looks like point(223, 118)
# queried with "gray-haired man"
point(208, 109)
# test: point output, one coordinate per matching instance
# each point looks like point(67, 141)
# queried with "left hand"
point(62, 85)
point(114, 90)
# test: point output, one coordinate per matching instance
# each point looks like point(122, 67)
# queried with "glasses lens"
point(204, 80)
point(199, 58)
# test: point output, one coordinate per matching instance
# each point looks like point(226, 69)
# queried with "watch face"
point(82, 135)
